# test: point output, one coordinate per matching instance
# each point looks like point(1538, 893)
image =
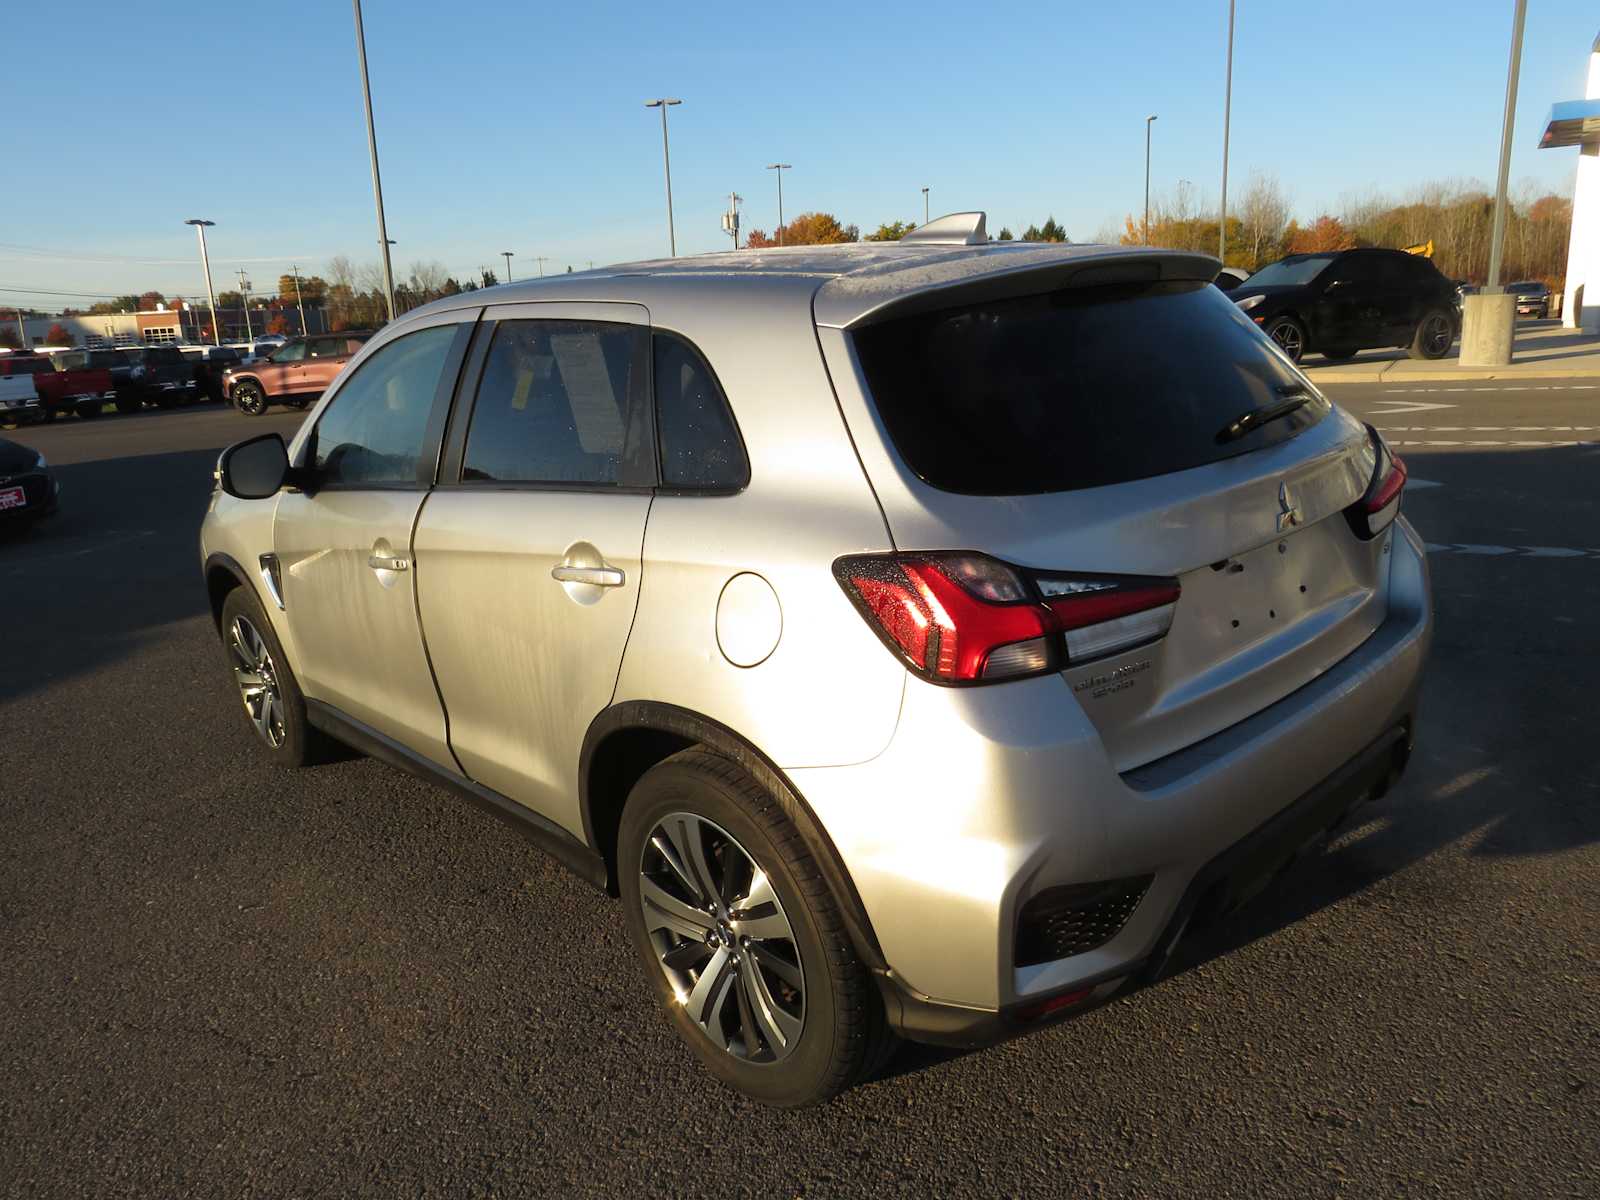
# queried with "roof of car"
point(849, 281)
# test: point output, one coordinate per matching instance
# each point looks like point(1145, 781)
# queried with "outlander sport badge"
point(1291, 514)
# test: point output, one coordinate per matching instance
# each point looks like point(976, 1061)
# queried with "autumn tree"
point(1048, 232)
point(808, 229)
point(1263, 217)
point(891, 232)
point(1324, 234)
point(278, 324)
point(150, 301)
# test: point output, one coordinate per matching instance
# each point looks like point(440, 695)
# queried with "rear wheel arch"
point(627, 739)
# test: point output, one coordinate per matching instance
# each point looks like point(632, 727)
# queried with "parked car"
point(163, 376)
point(117, 363)
point(1230, 277)
point(28, 490)
point(209, 364)
point(19, 400)
point(62, 389)
point(1533, 298)
point(832, 614)
point(1343, 301)
point(295, 374)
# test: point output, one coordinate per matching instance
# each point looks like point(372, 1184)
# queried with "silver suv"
point(918, 637)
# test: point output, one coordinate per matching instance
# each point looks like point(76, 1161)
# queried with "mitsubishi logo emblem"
point(1290, 514)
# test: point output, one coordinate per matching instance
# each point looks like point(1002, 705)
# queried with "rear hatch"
point(1089, 436)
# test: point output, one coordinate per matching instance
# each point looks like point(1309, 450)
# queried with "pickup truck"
point(118, 362)
point(19, 400)
point(164, 377)
point(83, 390)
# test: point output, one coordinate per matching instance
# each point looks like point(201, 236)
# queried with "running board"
point(541, 831)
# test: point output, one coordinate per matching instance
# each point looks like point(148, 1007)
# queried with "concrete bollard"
point(1488, 326)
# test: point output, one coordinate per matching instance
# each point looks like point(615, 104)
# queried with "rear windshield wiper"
point(1295, 396)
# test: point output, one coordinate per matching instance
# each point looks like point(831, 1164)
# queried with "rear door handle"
point(598, 576)
point(388, 562)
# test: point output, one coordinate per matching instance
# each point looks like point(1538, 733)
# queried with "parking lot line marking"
point(1494, 551)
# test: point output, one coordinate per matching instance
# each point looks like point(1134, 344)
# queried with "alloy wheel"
point(722, 938)
point(257, 678)
point(1289, 339)
point(1436, 335)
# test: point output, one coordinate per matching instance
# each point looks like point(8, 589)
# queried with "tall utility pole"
point(22, 330)
point(663, 104)
point(205, 262)
point(730, 219)
point(506, 254)
point(924, 206)
point(244, 303)
point(1497, 240)
point(299, 301)
point(1227, 121)
point(780, 168)
point(541, 259)
point(1148, 121)
point(372, 148)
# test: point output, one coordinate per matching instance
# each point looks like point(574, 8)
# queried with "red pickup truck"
point(83, 390)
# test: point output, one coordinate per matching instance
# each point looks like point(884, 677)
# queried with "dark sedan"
point(27, 488)
point(1343, 301)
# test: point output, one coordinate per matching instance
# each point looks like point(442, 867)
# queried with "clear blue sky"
point(505, 124)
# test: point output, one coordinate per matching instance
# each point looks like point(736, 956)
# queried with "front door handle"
point(598, 576)
point(388, 562)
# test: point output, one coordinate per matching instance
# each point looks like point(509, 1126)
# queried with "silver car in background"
point(919, 637)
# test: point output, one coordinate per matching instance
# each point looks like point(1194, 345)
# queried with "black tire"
point(249, 398)
point(1290, 336)
point(1435, 334)
point(1338, 353)
point(90, 409)
point(128, 401)
point(842, 1035)
point(292, 741)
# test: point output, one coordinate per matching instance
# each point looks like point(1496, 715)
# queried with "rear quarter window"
point(1080, 388)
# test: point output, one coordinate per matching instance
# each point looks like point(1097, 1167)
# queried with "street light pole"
point(372, 148)
point(506, 254)
point(924, 206)
point(663, 104)
point(299, 301)
point(1227, 121)
point(780, 168)
point(205, 262)
point(1148, 121)
point(1497, 239)
point(244, 303)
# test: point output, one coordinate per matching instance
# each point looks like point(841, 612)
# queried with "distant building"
point(160, 328)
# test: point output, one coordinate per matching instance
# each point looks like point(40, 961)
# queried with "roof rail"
point(957, 229)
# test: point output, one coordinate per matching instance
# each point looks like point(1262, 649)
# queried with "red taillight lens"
point(1377, 509)
point(967, 618)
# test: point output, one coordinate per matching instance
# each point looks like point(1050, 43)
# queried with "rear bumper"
point(988, 797)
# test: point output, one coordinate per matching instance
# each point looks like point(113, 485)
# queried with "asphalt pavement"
point(224, 979)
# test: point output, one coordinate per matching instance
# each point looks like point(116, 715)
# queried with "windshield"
point(1291, 272)
point(1077, 389)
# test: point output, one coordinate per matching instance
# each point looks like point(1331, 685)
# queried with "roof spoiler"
point(956, 229)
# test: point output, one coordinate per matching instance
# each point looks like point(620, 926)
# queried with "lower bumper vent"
point(1062, 921)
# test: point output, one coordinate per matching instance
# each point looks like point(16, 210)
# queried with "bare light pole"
point(924, 206)
point(541, 259)
point(1148, 121)
point(1227, 120)
point(205, 261)
point(1497, 240)
point(506, 254)
point(372, 147)
point(299, 300)
point(663, 104)
point(780, 168)
point(244, 303)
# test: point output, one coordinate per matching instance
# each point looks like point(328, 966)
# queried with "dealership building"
point(165, 326)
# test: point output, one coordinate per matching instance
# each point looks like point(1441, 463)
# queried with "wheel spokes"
point(662, 910)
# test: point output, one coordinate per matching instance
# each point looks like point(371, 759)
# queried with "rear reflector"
point(963, 618)
point(1037, 1012)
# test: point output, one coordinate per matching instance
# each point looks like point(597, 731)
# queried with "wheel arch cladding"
point(223, 574)
point(627, 739)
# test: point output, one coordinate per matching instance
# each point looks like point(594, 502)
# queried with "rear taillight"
point(963, 618)
point(1380, 504)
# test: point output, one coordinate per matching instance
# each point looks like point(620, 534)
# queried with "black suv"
point(1533, 298)
point(1348, 300)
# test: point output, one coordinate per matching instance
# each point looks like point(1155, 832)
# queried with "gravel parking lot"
point(225, 980)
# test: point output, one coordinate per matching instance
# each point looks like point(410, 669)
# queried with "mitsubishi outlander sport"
point(917, 637)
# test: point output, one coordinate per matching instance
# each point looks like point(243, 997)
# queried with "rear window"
point(1076, 389)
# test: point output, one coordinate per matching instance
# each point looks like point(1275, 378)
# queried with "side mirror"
point(255, 468)
point(1335, 284)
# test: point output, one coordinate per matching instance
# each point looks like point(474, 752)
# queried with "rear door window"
point(562, 402)
point(1079, 388)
